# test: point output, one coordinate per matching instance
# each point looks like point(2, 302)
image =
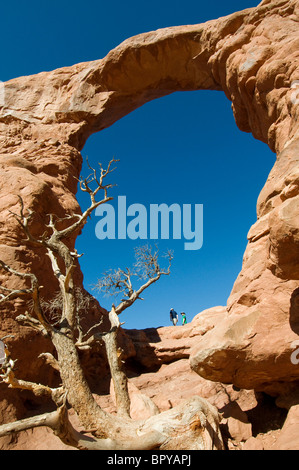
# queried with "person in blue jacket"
point(173, 316)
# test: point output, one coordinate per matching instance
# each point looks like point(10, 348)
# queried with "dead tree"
point(119, 282)
point(192, 425)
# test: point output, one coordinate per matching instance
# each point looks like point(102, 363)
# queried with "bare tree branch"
point(28, 320)
point(114, 355)
point(50, 359)
point(47, 419)
point(33, 292)
point(147, 268)
point(85, 187)
point(59, 422)
point(10, 379)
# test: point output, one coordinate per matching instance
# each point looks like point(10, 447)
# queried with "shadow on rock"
point(294, 311)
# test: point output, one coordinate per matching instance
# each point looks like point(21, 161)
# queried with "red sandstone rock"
point(156, 346)
point(46, 118)
point(288, 438)
point(152, 390)
point(253, 444)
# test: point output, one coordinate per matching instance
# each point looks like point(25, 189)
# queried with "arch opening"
point(184, 148)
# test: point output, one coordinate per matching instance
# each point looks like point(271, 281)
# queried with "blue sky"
point(184, 148)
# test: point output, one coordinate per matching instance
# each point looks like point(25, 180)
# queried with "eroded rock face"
point(151, 348)
point(252, 56)
point(253, 347)
point(249, 420)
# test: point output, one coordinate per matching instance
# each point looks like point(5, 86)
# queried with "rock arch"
point(253, 57)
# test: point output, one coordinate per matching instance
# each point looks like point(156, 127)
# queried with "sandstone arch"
point(253, 57)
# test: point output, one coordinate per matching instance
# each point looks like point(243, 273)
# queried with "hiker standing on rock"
point(184, 318)
point(173, 316)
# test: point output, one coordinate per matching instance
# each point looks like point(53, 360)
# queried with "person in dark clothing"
point(173, 316)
